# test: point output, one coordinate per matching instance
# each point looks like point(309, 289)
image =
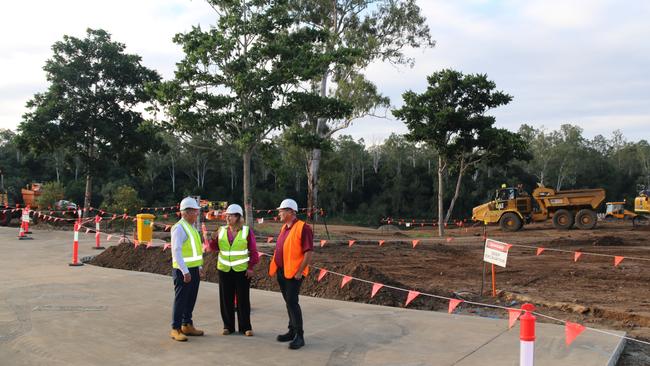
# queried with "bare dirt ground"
point(591, 291)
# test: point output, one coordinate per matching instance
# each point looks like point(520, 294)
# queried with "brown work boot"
point(178, 336)
point(188, 329)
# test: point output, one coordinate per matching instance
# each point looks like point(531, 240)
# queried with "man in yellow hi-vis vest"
point(187, 262)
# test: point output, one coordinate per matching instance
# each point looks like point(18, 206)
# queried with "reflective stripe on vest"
point(233, 256)
point(192, 250)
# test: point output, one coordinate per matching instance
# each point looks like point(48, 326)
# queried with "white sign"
point(496, 252)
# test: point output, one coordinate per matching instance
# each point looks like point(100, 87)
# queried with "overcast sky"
point(580, 62)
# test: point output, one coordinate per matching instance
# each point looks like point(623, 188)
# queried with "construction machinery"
point(513, 207)
point(616, 210)
point(642, 208)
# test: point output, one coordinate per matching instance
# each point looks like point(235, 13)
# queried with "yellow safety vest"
point(233, 256)
point(192, 248)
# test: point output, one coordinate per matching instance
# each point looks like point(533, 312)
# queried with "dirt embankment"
point(591, 291)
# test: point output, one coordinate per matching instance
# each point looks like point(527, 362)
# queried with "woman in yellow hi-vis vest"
point(187, 262)
point(237, 257)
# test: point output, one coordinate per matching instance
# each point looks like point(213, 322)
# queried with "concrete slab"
point(53, 314)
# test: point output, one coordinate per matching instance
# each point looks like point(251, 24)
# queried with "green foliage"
point(123, 197)
point(451, 112)
point(51, 193)
point(90, 103)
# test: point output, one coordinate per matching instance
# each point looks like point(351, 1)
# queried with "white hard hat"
point(289, 203)
point(189, 202)
point(234, 209)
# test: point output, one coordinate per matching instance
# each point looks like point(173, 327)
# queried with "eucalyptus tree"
point(360, 32)
point(241, 79)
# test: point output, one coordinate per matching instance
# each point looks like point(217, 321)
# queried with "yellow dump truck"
point(513, 207)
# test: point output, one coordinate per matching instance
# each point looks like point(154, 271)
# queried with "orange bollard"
point(527, 336)
point(75, 248)
point(97, 245)
point(25, 220)
point(21, 233)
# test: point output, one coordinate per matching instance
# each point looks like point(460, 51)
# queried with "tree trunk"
point(314, 163)
point(173, 175)
point(461, 171)
point(89, 185)
point(441, 224)
point(312, 180)
point(248, 195)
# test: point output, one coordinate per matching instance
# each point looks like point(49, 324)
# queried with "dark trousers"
point(290, 289)
point(230, 284)
point(184, 297)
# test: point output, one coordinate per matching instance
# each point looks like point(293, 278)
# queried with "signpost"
point(496, 253)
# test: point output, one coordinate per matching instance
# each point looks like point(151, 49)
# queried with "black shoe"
point(297, 342)
point(289, 336)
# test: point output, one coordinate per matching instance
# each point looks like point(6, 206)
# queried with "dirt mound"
point(155, 260)
point(388, 228)
point(609, 241)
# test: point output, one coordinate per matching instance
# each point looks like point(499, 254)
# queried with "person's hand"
point(249, 273)
point(298, 276)
point(187, 277)
point(202, 273)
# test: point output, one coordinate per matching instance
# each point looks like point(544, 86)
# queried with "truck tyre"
point(563, 219)
point(510, 221)
point(586, 219)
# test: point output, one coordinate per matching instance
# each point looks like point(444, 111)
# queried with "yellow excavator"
point(642, 208)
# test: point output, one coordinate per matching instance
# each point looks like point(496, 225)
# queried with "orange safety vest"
point(292, 254)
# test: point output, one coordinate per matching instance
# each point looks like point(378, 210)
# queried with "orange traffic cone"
point(21, 233)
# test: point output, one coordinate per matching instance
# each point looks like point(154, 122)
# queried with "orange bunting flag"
point(381, 242)
point(576, 256)
point(513, 315)
point(453, 303)
point(571, 331)
point(136, 243)
point(345, 280)
point(269, 239)
point(540, 250)
point(167, 227)
point(375, 287)
point(351, 242)
point(166, 246)
point(87, 231)
point(149, 244)
point(411, 296)
point(109, 237)
point(617, 260)
point(449, 239)
point(322, 274)
point(415, 243)
point(323, 242)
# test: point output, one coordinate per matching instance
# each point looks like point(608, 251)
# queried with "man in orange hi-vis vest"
point(291, 258)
